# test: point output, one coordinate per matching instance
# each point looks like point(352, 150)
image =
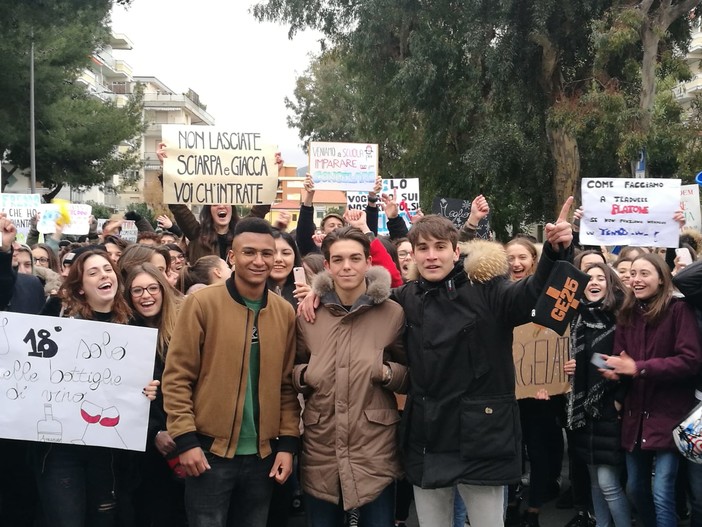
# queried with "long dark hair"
point(654, 308)
point(616, 292)
point(208, 233)
point(75, 302)
point(298, 257)
point(165, 320)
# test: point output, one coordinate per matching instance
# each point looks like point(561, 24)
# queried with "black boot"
point(530, 519)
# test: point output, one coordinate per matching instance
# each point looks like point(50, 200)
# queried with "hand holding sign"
point(390, 206)
point(161, 152)
point(560, 232)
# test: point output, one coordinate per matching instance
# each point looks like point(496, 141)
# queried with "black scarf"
point(592, 331)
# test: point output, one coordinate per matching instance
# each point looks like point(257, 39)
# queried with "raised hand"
point(560, 232)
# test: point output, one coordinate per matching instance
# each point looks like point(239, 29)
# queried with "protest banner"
point(73, 381)
point(343, 166)
point(405, 192)
point(629, 211)
point(79, 213)
point(20, 209)
point(128, 232)
point(458, 211)
point(207, 165)
point(690, 205)
point(539, 356)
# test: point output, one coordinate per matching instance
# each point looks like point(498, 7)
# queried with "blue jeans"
point(240, 485)
point(694, 475)
point(608, 498)
point(459, 509)
point(655, 503)
point(378, 513)
point(77, 485)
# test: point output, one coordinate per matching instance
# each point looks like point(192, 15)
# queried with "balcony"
point(173, 102)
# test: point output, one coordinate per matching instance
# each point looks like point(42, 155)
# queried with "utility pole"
point(32, 131)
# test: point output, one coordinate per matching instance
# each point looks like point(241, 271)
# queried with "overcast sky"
point(242, 69)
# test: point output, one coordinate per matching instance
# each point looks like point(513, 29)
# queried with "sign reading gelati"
point(208, 165)
point(539, 356)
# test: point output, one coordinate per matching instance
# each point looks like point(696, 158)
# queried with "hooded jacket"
point(461, 419)
point(349, 447)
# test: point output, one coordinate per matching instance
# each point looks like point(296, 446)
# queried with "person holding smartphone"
point(593, 411)
point(657, 351)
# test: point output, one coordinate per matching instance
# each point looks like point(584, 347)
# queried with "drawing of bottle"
point(49, 429)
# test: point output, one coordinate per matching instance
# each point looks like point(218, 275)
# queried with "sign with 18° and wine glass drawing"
point(65, 380)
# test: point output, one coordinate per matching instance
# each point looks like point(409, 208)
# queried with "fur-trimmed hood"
point(482, 261)
point(51, 280)
point(377, 284)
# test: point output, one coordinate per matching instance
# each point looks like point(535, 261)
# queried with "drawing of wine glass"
point(110, 419)
point(91, 414)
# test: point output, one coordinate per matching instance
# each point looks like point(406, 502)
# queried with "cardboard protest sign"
point(79, 213)
point(405, 192)
point(539, 356)
point(65, 380)
point(458, 211)
point(343, 166)
point(207, 165)
point(20, 209)
point(690, 205)
point(628, 211)
point(128, 232)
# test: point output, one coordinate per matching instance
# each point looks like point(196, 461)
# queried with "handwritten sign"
point(128, 231)
point(343, 166)
point(65, 380)
point(458, 211)
point(539, 356)
point(626, 211)
point(690, 205)
point(79, 213)
point(20, 209)
point(405, 192)
point(208, 165)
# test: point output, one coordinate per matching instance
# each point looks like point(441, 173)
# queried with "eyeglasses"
point(178, 257)
point(41, 259)
point(153, 290)
point(403, 254)
point(266, 254)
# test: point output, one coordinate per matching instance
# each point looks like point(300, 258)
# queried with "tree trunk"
point(566, 173)
point(650, 41)
point(52, 193)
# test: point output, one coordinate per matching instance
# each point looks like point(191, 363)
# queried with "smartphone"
point(684, 256)
point(598, 359)
point(299, 275)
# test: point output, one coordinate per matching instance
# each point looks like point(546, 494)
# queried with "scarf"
point(592, 331)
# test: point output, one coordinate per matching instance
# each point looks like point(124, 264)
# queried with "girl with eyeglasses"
point(80, 485)
point(159, 497)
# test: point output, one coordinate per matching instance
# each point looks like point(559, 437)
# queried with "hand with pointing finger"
point(560, 233)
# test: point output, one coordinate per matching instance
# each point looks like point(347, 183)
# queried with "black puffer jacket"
point(461, 419)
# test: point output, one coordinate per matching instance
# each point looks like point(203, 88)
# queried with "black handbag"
point(560, 297)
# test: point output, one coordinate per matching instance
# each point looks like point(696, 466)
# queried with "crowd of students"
point(397, 374)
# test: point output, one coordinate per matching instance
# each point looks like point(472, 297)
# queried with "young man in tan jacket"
point(227, 386)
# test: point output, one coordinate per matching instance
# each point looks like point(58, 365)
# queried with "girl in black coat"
point(592, 407)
